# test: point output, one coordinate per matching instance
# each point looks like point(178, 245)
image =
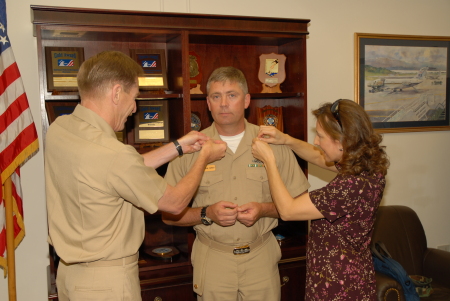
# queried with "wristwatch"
point(205, 220)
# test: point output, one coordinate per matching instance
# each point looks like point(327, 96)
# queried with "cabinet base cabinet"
point(293, 279)
point(170, 293)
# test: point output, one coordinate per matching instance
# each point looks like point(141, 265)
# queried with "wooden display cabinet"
point(219, 41)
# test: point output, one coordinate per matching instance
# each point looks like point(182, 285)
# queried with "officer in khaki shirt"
point(96, 186)
point(235, 255)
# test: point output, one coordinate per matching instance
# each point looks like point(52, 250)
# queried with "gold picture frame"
point(402, 81)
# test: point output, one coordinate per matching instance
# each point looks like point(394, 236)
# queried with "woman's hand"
point(262, 151)
point(271, 134)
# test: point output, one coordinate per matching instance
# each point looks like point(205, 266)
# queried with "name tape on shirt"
point(210, 168)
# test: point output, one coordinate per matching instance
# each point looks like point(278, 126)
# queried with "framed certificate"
point(151, 121)
point(153, 61)
point(62, 65)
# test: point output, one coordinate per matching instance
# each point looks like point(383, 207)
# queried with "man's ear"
point(247, 100)
point(207, 101)
point(115, 93)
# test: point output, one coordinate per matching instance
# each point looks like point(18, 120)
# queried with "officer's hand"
point(249, 214)
point(214, 150)
point(222, 213)
point(192, 142)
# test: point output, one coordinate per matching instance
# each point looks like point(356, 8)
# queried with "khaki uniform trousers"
point(224, 276)
point(112, 280)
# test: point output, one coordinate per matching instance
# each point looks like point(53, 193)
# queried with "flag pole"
point(10, 240)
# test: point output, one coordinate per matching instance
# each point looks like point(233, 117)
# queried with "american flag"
point(153, 115)
point(65, 63)
point(18, 136)
point(149, 64)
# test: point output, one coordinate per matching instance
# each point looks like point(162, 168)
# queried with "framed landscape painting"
point(402, 81)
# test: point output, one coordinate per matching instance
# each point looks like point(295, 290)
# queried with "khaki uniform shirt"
point(89, 174)
point(238, 178)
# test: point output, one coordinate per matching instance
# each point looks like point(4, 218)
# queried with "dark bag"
point(384, 263)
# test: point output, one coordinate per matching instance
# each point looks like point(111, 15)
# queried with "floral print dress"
point(339, 265)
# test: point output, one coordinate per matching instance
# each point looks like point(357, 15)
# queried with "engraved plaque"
point(272, 72)
point(151, 122)
point(62, 65)
point(153, 62)
point(270, 116)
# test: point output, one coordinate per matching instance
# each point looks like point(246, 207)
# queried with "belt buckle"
point(241, 250)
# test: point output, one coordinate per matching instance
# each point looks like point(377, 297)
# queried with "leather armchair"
point(400, 229)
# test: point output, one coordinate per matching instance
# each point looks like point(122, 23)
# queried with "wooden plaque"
point(153, 62)
point(62, 65)
point(195, 73)
point(270, 116)
point(151, 122)
point(272, 72)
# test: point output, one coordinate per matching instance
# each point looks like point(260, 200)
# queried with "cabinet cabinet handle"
point(285, 280)
point(158, 299)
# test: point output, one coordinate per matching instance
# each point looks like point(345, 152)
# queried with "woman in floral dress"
point(339, 263)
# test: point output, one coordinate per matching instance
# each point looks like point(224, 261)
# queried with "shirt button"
point(235, 198)
point(195, 286)
point(234, 178)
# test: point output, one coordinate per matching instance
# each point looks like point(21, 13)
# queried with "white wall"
point(420, 168)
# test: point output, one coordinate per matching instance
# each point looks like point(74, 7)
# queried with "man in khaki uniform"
point(97, 187)
point(235, 255)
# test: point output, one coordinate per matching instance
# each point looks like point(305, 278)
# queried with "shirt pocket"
point(211, 188)
point(257, 185)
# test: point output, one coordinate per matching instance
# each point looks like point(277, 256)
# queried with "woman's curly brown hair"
point(362, 150)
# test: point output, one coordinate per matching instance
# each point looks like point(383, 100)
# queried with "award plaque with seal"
point(196, 124)
point(269, 115)
point(195, 73)
point(62, 65)
point(271, 72)
point(151, 122)
point(163, 252)
point(153, 61)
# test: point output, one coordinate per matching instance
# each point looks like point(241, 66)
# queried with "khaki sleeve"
point(133, 181)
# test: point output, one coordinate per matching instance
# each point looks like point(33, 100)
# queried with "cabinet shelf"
point(257, 95)
point(147, 263)
point(142, 96)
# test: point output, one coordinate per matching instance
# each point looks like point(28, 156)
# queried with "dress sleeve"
point(339, 197)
